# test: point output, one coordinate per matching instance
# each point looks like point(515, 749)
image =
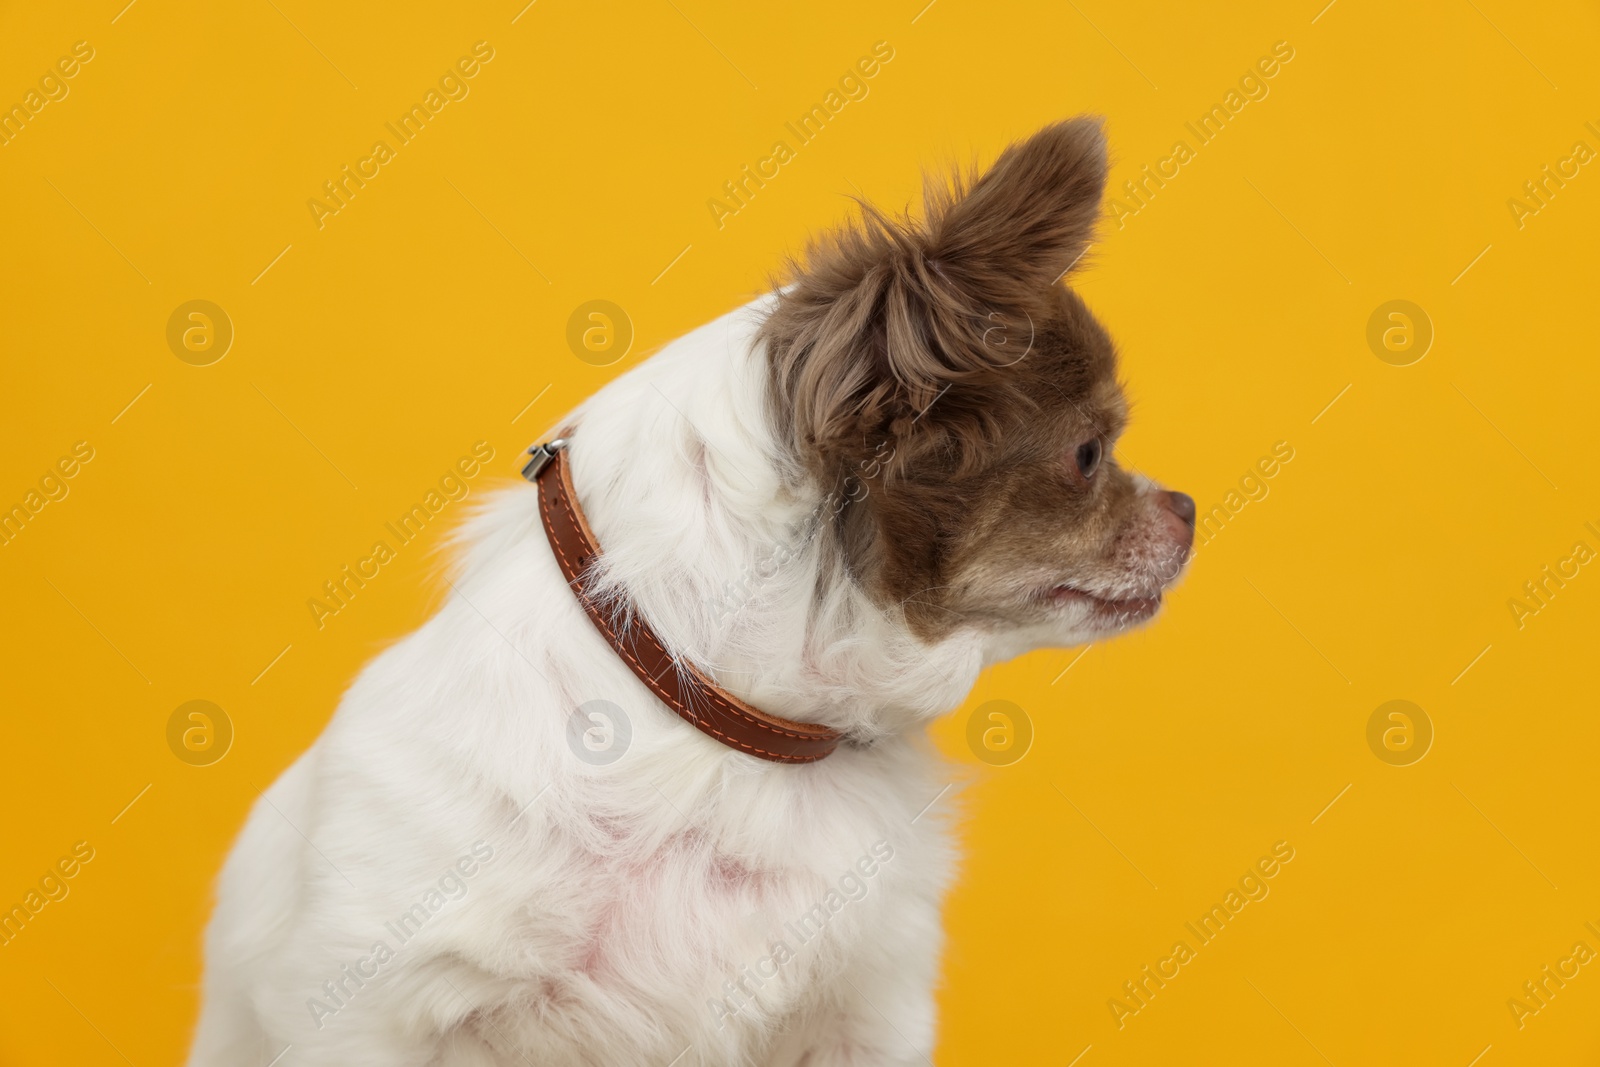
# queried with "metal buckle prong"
point(541, 454)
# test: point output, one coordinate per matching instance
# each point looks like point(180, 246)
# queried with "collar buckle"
point(540, 456)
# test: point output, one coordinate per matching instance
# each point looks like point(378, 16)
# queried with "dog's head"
point(958, 408)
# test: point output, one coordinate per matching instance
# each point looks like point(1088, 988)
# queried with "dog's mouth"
point(1110, 613)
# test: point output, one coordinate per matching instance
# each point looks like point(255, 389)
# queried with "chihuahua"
point(652, 787)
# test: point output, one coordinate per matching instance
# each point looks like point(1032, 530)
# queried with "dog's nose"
point(1181, 505)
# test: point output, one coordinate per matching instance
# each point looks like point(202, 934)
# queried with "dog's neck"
point(705, 524)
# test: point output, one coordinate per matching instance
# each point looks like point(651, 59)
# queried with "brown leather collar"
point(681, 687)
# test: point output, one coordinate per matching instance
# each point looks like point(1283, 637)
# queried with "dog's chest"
point(725, 943)
point(702, 917)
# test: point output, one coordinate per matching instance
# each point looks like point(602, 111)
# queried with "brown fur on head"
point(937, 374)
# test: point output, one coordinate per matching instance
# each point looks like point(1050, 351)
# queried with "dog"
point(652, 787)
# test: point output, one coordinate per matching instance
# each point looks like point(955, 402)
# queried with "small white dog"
point(679, 809)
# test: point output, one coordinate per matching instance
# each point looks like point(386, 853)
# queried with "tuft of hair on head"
point(886, 332)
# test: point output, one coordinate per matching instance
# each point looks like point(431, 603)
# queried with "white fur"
point(621, 902)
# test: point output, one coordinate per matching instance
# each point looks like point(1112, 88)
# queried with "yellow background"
point(428, 313)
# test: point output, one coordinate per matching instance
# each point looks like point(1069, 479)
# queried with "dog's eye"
point(1088, 458)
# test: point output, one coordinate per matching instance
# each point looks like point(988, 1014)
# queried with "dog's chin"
point(1104, 615)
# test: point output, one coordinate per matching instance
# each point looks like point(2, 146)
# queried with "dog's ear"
point(888, 316)
point(1026, 222)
